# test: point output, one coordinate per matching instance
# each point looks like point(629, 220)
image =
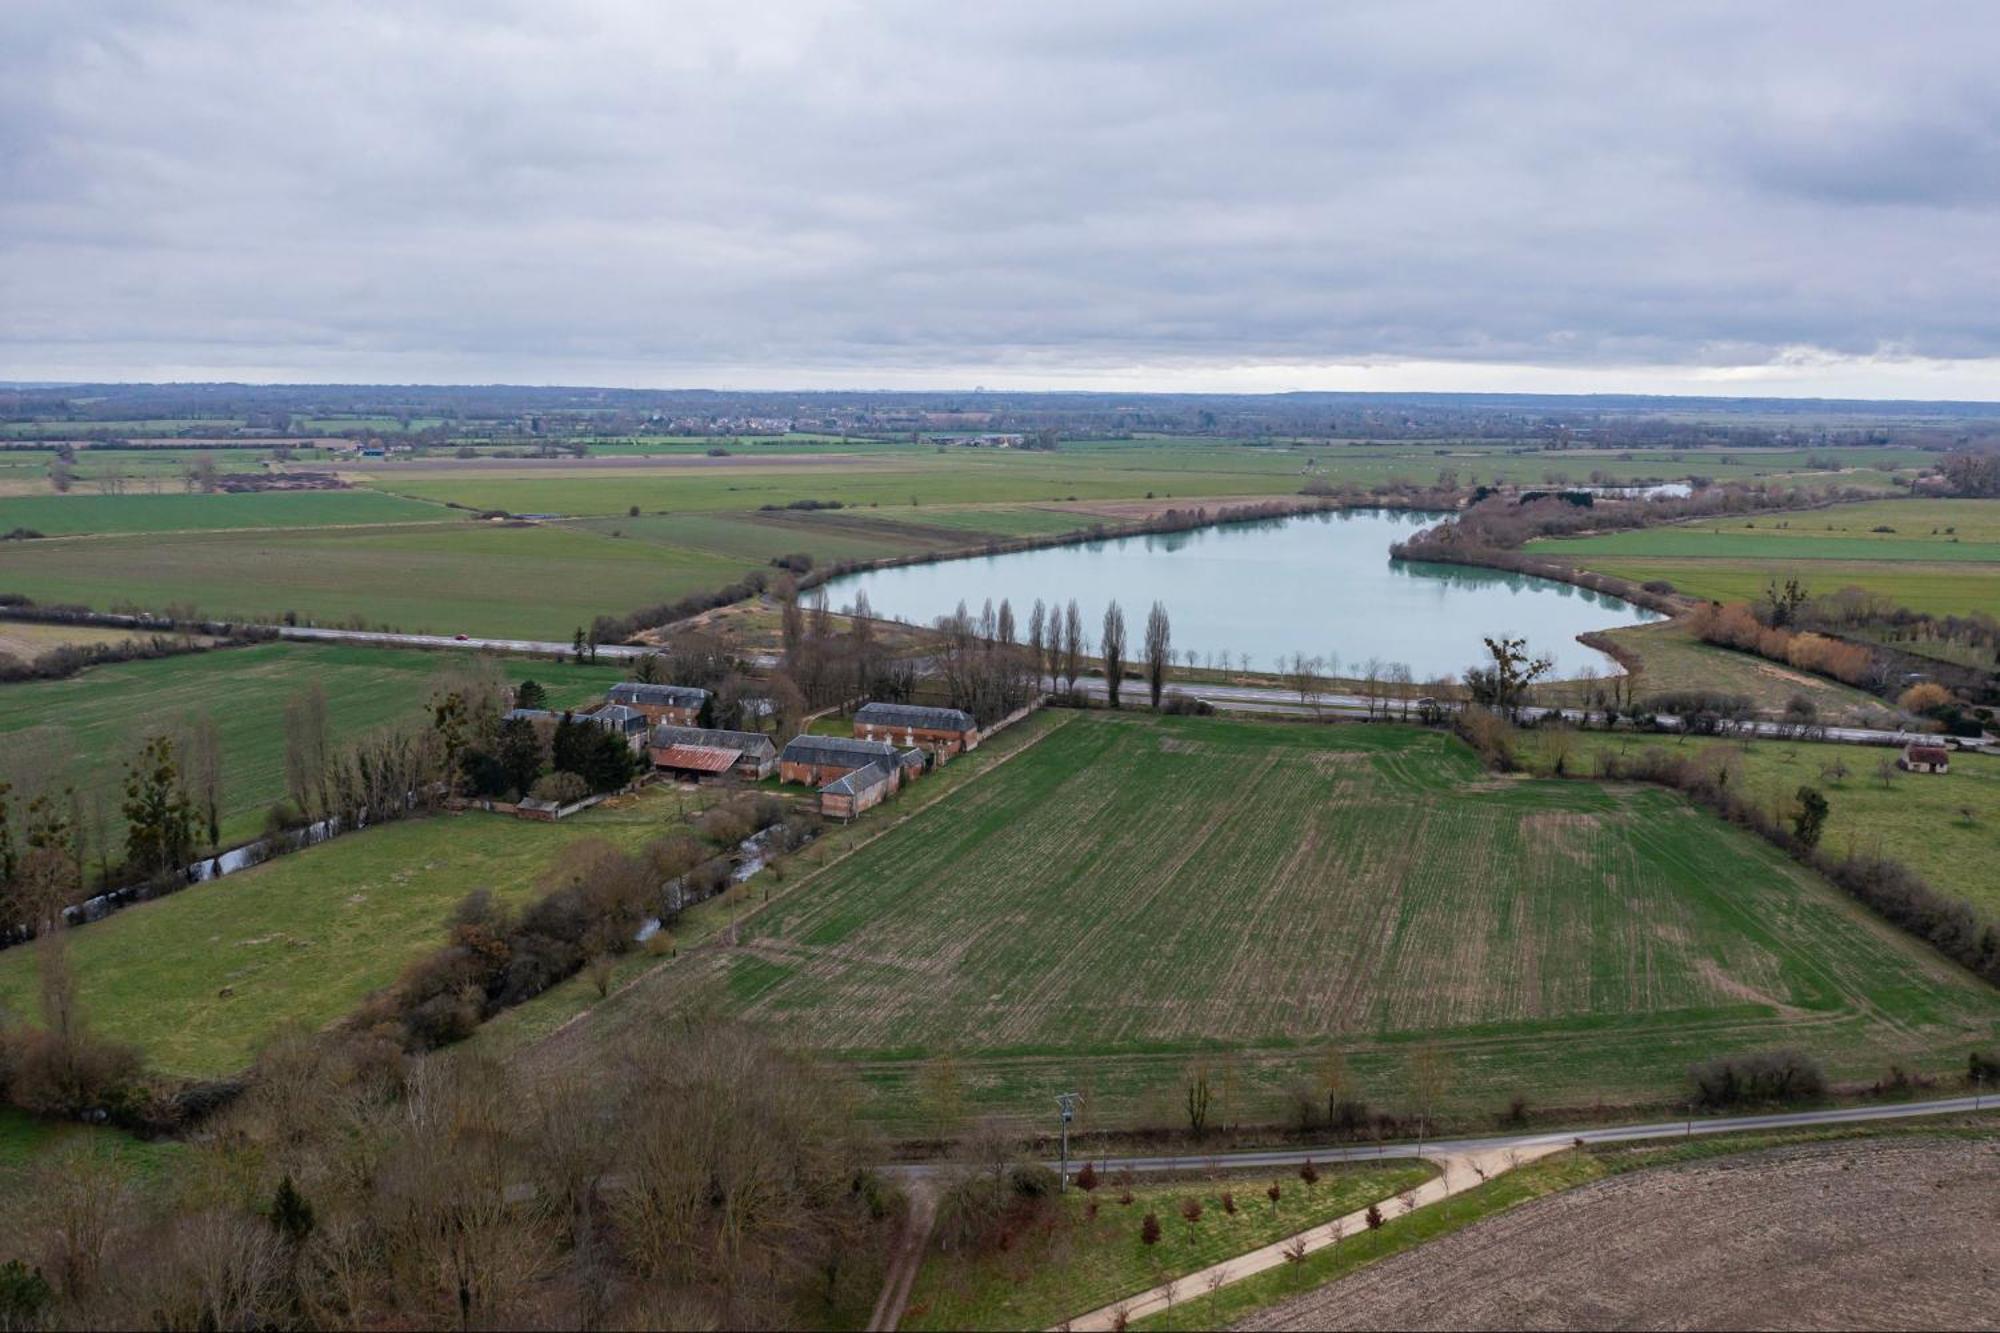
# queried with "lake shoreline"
point(1215, 575)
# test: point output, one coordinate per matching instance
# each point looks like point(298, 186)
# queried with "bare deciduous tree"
point(308, 756)
point(1073, 645)
point(202, 750)
point(1111, 647)
point(1159, 650)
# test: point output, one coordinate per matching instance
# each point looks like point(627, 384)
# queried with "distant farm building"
point(706, 751)
point(678, 704)
point(1922, 757)
point(865, 787)
point(818, 760)
point(947, 731)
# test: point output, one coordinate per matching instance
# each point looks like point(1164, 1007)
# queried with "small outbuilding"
point(695, 751)
point(849, 795)
point(1925, 757)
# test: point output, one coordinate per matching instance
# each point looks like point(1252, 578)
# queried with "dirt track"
point(1869, 1234)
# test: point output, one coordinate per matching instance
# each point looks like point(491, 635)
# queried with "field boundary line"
point(724, 935)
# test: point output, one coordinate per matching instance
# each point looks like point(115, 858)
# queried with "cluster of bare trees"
point(706, 1180)
point(823, 664)
point(398, 770)
point(984, 667)
point(1058, 647)
point(1389, 689)
point(1057, 642)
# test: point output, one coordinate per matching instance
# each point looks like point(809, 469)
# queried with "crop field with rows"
point(1130, 896)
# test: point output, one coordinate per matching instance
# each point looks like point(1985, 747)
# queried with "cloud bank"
point(1149, 195)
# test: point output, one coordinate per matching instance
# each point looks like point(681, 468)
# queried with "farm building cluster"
point(892, 744)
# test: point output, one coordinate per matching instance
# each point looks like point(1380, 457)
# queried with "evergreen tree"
point(569, 750)
point(530, 694)
point(520, 753)
point(159, 817)
point(291, 1215)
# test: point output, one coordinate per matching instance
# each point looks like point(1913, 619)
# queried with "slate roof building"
point(818, 760)
point(948, 731)
point(680, 704)
point(859, 790)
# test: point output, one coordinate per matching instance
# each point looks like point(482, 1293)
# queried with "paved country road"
point(1243, 698)
point(1502, 1143)
point(1464, 1164)
point(536, 647)
point(1259, 699)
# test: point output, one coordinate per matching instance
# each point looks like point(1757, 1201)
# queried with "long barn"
point(945, 731)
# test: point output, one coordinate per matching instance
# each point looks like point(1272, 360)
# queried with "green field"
point(1941, 556)
point(1671, 658)
point(1941, 589)
point(1131, 895)
point(1917, 818)
point(1086, 1261)
point(464, 577)
point(63, 515)
point(83, 729)
point(200, 979)
point(915, 478)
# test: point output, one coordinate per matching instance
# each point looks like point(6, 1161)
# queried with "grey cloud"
point(573, 192)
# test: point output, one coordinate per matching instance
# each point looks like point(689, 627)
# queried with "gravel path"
point(1869, 1234)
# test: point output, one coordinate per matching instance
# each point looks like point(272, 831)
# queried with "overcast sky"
point(1761, 198)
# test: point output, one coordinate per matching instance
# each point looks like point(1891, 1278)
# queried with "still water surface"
point(1319, 584)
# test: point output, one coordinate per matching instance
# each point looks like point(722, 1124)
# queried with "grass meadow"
point(1132, 896)
point(1945, 826)
point(82, 730)
point(1092, 1254)
point(1941, 556)
point(200, 979)
point(66, 515)
point(1671, 658)
point(463, 577)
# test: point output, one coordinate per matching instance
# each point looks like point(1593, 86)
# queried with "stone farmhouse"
point(680, 705)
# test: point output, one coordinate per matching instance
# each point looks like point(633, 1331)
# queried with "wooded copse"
point(709, 1180)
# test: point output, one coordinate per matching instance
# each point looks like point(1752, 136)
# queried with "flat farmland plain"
point(531, 582)
point(1128, 896)
point(1941, 556)
point(58, 515)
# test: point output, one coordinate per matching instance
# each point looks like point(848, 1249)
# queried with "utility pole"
point(1066, 1107)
